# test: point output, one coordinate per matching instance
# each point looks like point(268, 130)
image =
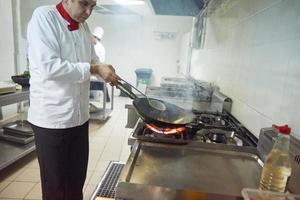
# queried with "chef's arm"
point(107, 72)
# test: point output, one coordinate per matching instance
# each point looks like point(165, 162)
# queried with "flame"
point(165, 130)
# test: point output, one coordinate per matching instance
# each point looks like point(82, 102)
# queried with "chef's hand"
point(107, 72)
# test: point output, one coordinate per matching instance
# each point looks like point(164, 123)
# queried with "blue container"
point(143, 76)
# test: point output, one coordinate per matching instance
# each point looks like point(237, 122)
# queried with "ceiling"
point(152, 7)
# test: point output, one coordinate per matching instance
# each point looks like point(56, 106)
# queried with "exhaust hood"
point(151, 7)
point(178, 7)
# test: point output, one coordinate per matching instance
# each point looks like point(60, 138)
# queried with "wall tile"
point(7, 41)
point(259, 65)
point(290, 104)
point(135, 36)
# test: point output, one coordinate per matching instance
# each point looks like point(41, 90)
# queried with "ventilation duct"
point(178, 7)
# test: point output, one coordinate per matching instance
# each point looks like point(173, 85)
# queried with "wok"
point(155, 111)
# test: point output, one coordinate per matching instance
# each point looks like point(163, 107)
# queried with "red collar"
point(73, 25)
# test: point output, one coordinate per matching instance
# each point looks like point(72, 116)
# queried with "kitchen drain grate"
point(106, 188)
point(297, 159)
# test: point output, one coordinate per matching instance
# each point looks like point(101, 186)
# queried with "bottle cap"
point(285, 129)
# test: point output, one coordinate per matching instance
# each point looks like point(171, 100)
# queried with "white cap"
point(98, 32)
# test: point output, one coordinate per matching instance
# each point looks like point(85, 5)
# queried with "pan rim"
point(188, 118)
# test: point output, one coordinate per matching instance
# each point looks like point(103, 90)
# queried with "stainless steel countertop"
point(161, 171)
point(151, 192)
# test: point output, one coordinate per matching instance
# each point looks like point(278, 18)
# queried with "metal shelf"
point(11, 98)
point(10, 151)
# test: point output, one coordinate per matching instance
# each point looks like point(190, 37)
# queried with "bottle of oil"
point(277, 166)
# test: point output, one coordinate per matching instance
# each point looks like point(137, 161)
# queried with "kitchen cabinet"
point(9, 151)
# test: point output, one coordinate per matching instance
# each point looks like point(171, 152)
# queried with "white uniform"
point(60, 70)
point(99, 48)
point(100, 51)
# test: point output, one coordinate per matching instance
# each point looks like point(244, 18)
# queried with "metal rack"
point(9, 151)
point(103, 112)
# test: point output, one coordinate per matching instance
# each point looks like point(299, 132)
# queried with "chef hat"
point(98, 32)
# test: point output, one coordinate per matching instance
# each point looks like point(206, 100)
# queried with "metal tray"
point(18, 127)
point(20, 139)
point(7, 87)
point(215, 169)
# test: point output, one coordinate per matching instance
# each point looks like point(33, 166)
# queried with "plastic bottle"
point(277, 166)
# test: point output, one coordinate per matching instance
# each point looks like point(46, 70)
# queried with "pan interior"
point(157, 105)
point(159, 111)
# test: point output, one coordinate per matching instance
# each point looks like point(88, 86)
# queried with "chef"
point(100, 52)
point(62, 59)
point(99, 48)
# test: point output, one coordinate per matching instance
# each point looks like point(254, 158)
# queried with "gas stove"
point(206, 127)
point(212, 120)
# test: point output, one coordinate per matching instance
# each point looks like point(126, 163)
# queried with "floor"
point(108, 142)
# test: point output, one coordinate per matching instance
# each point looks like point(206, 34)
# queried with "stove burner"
point(165, 131)
point(218, 128)
point(219, 136)
point(210, 119)
point(152, 133)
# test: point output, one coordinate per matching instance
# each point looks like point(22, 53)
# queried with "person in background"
point(100, 52)
point(61, 61)
point(99, 48)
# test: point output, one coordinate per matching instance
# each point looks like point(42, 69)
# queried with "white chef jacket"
point(60, 70)
point(100, 51)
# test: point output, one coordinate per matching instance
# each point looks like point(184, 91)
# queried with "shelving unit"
point(103, 112)
point(9, 151)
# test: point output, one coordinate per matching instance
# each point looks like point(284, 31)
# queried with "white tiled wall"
point(6, 42)
point(252, 52)
point(130, 43)
point(7, 63)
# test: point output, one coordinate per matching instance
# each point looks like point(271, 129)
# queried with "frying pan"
point(155, 111)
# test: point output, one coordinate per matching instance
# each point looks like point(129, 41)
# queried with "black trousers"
point(63, 158)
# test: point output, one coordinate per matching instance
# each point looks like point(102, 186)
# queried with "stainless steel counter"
point(134, 191)
point(160, 171)
point(11, 98)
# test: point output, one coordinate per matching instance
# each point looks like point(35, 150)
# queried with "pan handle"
point(125, 90)
point(134, 88)
point(128, 92)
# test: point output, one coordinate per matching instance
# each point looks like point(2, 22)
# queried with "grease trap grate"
point(106, 187)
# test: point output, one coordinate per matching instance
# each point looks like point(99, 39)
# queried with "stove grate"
point(106, 187)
